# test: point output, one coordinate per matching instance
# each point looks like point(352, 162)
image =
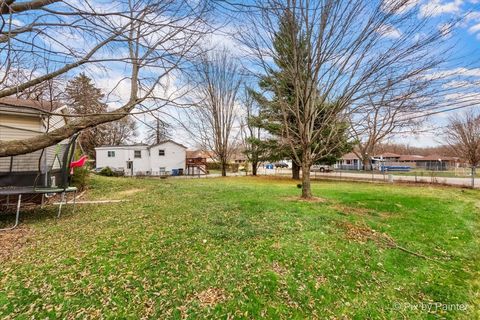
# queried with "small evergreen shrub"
point(107, 172)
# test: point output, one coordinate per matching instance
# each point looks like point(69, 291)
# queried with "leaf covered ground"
point(246, 248)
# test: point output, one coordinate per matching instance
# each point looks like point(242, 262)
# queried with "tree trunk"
point(224, 169)
point(254, 168)
point(473, 177)
point(366, 164)
point(306, 188)
point(295, 171)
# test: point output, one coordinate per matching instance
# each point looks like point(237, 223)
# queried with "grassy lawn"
point(247, 248)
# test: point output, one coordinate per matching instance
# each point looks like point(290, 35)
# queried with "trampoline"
point(43, 172)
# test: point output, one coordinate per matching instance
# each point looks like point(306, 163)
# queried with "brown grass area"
point(13, 241)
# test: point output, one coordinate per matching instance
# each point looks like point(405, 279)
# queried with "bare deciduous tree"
point(463, 136)
point(214, 115)
point(344, 53)
point(385, 114)
point(157, 131)
point(147, 40)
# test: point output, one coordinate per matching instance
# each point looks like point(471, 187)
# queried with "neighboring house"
point(239, 158)
point(23, 119)
point(351, 161)
point(163, 158)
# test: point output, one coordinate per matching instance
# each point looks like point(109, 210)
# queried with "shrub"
point(107, 172)
point(80, 178)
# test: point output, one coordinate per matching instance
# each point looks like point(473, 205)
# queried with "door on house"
point(130, 166)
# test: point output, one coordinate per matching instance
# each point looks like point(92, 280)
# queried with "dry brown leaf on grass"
point(351, 210)
point(130, 192)
point(364, 233)
point(207, 298)
point(347, 210)
point(12, 241)
point(311, 200)
point(279, 269)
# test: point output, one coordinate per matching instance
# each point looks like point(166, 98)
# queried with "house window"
point(162, 170)
point(137, 154)
point(161, 152)
point(111, 154)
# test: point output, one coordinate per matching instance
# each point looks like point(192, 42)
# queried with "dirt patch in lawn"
point(13, 241)
point(311, 200)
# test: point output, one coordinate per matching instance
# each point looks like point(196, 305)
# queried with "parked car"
point(281, 165)
point(322, 168)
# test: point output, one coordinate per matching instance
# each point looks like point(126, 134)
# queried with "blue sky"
point(464, 59)
point(465, 56)
point(462, 68)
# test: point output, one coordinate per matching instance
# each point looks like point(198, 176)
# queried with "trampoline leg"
point(60, 206)
point(74, 200)
point(17, 217)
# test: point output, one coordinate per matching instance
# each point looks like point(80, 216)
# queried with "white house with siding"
point(22, 119)
point(141, 159)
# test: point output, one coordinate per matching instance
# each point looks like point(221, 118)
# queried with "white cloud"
point(388, 31)
point(399, 6)
point(463, 98)
point(474, 29)
point(434, 8)
point(456, 72)
point(460, 84)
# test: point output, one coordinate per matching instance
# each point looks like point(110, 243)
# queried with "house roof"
point(436, 157)
point(407, 157)
point(165, 141)
point(144, 145)
point(123, 145)
point(350, 156)
point(389, 155)
point(43, 106)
